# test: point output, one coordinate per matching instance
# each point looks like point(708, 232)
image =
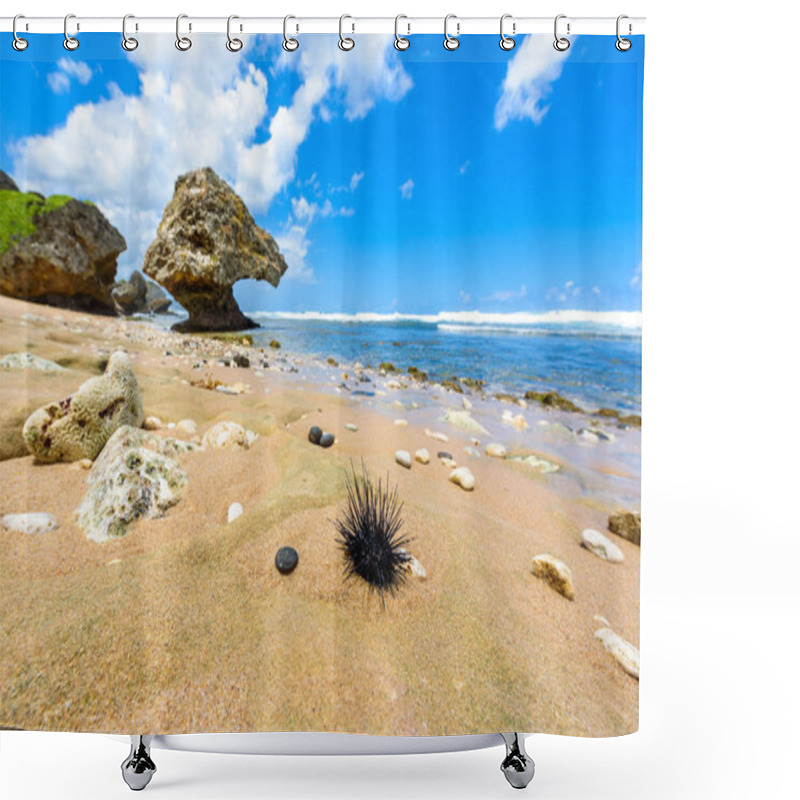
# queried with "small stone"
point(540, 464)
point(235, 511)
point(286, 560)
point(422, 455)
point(464, 420)
point(187, 426)
point(326, 440)
point(31, 523)
point(515, 420)
point(443, 454)
point(557, 574)
point(241, 360)
point(626, 655)
point(153, 424)
point(450, 463)
point(29, 361)
point(466, 403)
point(413, 566)
point(403, 458)
point(314, 434)
point(440, 437)
point(627, 525)
point(351, 426)
point(472, 451)
point(495, 450)
point(227, 435)
point(83, 463)
point(596, 543)
point(401, 423)
point(462, 477)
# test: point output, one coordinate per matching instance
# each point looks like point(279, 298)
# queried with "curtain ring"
point(506, 42)
point(289, 44)
point(70, 42)
point(19, 44)
point(561, 43)
point(183, 43)
point(401, 42)
point(451, 42)
point(128, 42)
point(345, 42)
point(234, 45)
point(622, 44)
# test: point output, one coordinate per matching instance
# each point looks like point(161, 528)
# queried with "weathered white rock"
point(515, 420)
point(153, 424)
point(540, 464)
point(414, 567)
point(351, 426)
point(466, 404)
point(31, 522)
point(462, 477)
point(29, 361)
point(495, 450)
point(626, 655)
point(440, 437)
point(235, 511)
point(596, 543)
point(464, 420)
point(403, 458)
point(422, 455)
point(555, 572)
point(135, 477)
point(187, 426)
point(227, 435)
point(401, 423)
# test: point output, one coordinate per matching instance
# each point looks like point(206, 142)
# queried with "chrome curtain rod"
point(458, 26)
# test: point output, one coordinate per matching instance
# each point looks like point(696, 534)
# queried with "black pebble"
point(286, 560)
point(444, 454)
point(315, 434)
point(326, 440)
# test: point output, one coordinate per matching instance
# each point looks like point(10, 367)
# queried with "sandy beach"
point(185, 625)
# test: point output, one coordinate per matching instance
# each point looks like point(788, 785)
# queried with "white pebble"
point(403, 458)
point(235, 511)
point(401, 423)
point(462, 477)
point(153, 424)
point(626, 655)
point(351, 426)
point(187, 426)
point(422, 455)
point(604, 548)
point(36, 522)
point(495, 450)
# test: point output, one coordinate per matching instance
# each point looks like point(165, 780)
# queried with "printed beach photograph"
point(320, 387)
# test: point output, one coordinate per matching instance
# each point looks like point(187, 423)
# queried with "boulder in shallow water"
point(627, 525)
point(206, 242)
point(135, 477)
point(80, 425)
point(555, 573)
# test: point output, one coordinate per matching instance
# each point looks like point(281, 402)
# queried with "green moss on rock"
point(20, 213)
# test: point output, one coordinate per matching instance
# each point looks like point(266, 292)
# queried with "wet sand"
point(185, 625)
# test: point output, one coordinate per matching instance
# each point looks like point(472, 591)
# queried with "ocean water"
point(593, 358)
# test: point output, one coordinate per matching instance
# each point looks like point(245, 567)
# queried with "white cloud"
point(636, 280)
point(595, 290)
point(59, 81)
point(464, 297)
point(528, 81)
point(464, 167)
point(125, 151)
point(407, 189)
point(355, 179)
point(504, 296)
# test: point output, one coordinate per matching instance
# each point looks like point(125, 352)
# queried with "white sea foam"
point(629, 320)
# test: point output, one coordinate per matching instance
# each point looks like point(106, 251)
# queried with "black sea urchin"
point(369, 533)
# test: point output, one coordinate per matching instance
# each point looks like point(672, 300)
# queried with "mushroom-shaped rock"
point(208, 240)
point(80, 425)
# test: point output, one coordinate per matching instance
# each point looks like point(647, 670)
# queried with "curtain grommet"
point(561, 43)
point(233, 44)
point(345, 42)
point(128, 42)
point(289, 44)
point(507, 42)
point(622, 44)
point(18, 43)
point(451, 43)
point(401, 43)
point(70, 42)
point(183, 43)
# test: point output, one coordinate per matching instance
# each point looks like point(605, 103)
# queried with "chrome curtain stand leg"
point(517, 766)
point(138, 768)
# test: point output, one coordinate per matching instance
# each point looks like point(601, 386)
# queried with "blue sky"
point(409, 182)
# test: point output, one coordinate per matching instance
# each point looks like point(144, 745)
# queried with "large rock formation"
point(137, 295)
point(80, 425)
point(208, 240)
point(7, 183)
point(57, 250)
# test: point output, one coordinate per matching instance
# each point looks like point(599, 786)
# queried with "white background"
point(720, 599)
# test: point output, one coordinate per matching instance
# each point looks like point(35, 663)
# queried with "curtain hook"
point(401, 42)
point(70, 42)
point(234, 45)
point(345, 42)
point(506, 42)
point(128, 42)
point(561, 43)
point(451, 42)
point(289, 44)
point(622, 44)
point(181, 42)
point(19, 44)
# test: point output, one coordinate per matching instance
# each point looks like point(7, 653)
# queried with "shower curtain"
point(320, 384)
